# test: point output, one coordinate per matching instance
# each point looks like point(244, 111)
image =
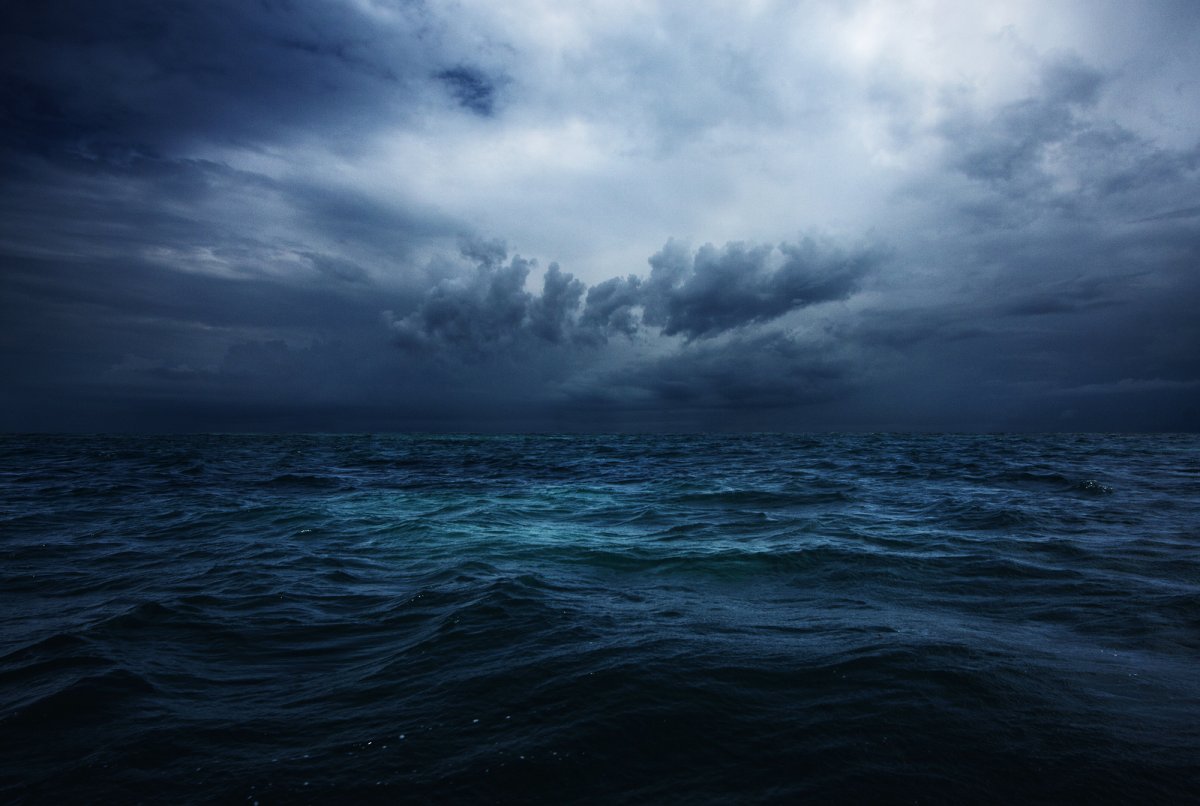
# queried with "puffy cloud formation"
point(715, 290)
point(488, 309)
point(697, 294)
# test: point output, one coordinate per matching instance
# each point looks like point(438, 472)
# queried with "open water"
point(616, 619)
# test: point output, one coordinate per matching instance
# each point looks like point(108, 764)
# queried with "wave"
point(573, 619)
point(90, 696)
point(305, 481)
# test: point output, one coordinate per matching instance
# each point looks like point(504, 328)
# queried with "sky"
point(390, 215)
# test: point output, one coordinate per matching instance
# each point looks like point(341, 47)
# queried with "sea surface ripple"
point(623, 619)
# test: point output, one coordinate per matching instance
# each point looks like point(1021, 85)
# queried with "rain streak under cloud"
point(367, 215)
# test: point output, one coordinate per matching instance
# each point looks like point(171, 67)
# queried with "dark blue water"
point(613, 619)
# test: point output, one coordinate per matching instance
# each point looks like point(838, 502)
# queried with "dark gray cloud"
point(552, 315)
point(763, 371)
point(698, 294)
point(1186, 212)
point(471, 87)
point(1068, 80)
point(478, 313)
point(147, 77)
point(715, 290)
point(1007, 149)
point(1075, 296)
point(1052, 151)
point(613, 307)
point(337, 268)
point(487, 309)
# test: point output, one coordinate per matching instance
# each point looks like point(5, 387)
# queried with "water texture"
point(633, 619)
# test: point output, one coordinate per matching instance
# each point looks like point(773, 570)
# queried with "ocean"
point(600, 619)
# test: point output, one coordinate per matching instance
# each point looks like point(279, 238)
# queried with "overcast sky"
point(384, 215)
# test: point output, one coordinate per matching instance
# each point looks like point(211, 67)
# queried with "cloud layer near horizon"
point(358, 214)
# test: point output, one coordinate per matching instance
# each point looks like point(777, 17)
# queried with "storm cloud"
point(715, 290)
point(362, 214)
point(695, 293)
point(488, 309)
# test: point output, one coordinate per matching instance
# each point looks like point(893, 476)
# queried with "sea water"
point(622, 619)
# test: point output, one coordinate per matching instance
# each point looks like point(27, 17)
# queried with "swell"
point(557, 619)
